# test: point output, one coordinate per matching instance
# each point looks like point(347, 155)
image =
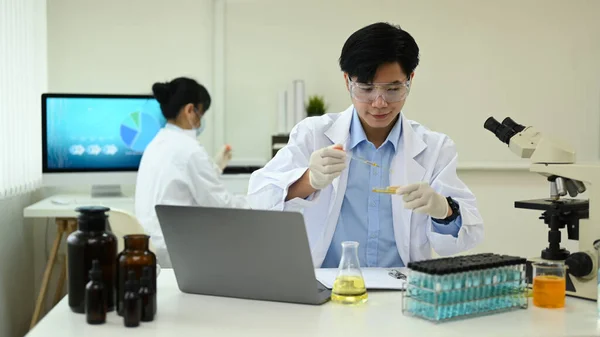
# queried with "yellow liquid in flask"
point(349, 290)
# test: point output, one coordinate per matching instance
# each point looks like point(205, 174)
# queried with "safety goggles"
point(390, 92)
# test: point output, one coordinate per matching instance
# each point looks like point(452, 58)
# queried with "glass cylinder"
point(135, 256)
point(349, 285)
point(549, 284)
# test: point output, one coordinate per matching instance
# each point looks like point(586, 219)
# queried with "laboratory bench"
point(181, 314)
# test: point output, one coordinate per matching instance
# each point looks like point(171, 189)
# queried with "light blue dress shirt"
point(366, 217)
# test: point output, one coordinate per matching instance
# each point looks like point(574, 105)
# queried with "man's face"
point(379, 103)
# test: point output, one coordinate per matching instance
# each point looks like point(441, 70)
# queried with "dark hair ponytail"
point(173, 96)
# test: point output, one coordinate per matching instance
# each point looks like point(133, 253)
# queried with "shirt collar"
point(394, 135)
point(357, 133)
point(189, 133)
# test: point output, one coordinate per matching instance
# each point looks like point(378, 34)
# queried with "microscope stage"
point(564, 205)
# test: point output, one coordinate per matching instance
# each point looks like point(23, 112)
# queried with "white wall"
point(114, 46)
point(535, 60)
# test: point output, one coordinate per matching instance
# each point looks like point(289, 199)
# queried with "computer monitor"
point(96, 139)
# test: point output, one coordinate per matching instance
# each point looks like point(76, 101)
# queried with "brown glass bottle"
point(147, 296)
point(132, 304)
point(91, 241)
point(95, 296)
point(135, 256)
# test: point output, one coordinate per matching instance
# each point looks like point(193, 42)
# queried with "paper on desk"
point(375, 278)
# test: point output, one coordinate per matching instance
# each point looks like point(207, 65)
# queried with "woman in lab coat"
point(322, 171)
point(175, 169)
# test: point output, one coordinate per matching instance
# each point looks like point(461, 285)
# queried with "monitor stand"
point(106, 191)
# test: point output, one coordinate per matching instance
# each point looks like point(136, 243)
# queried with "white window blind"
point(23, 78)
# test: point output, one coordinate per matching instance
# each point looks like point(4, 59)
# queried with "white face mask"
point(201, 128)
point(202, 124)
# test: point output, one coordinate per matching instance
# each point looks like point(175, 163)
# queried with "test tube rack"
point(459, 287)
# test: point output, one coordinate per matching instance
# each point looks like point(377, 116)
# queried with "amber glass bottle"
point(95, 296)
point(147, 296)
point(91, 241)
point(132, 304)
point(135, 256)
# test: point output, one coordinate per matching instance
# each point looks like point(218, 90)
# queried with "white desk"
point(235, 183)
point(182, 314)
point(48, 209)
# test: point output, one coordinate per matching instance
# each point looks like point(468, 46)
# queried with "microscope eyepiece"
point(503, 132)
point(513, 125)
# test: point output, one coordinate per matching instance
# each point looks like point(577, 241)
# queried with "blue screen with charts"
point(98, 133)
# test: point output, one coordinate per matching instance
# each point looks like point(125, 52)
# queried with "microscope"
point(555, 160)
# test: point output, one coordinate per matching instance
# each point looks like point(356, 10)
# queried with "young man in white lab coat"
point(320, 171)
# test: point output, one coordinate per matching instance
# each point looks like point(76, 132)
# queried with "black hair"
point(174, 95)
point(377, 44)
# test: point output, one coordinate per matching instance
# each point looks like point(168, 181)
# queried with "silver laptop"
point(242, 253)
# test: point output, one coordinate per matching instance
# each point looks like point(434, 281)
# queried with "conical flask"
point(349, 286)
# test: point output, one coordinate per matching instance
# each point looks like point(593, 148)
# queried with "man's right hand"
point(325, 165)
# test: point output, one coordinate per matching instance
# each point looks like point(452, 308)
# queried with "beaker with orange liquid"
point(549, 284)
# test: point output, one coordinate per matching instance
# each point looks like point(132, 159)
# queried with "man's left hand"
point(421, 198)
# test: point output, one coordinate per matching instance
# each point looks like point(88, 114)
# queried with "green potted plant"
point(316, 106)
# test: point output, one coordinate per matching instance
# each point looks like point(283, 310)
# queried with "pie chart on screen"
point(138, 129)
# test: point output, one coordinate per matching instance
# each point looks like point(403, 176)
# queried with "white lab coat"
point(422, 155)
point(176, 170)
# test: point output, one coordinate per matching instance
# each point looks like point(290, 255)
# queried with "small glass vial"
point(349, 285)
point(147, 296)
point(132, 305)
point(95, 296)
